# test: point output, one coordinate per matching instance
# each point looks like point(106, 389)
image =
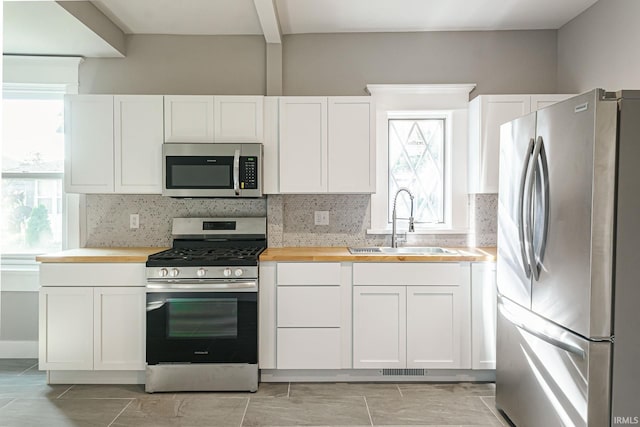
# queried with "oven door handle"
point(155, 305)
point(250, 286)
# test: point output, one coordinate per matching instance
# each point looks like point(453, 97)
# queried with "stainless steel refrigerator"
point(568, 273)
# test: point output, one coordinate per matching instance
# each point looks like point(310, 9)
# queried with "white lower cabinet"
point(92, 316)
point(483, 312)
point(411, 326)
point(309, 348)
point(310, 326)
point(66, 328)
point(119, 328)
point(92, 328)
point(379, 326)
point(367, 315)
point(436, 327)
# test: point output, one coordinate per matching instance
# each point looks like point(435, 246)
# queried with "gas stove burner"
point(212, 242)
point(205, 257)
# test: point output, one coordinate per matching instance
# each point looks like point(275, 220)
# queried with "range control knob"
point(163, 272)
point(238, 272)
point(201, 272)
point(227, 272)
point(174, 272)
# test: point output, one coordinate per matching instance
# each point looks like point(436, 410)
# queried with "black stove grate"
point(183, 256)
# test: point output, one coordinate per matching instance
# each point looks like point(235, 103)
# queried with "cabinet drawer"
point(394, 273)
point(92, 274)
point(308, 348)
point(309, 306)
point(308, 273)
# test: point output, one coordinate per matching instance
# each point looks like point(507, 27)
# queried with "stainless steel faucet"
point(394, 237)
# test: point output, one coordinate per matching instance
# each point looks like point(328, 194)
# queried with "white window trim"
point(39, 75)
point(420, 101)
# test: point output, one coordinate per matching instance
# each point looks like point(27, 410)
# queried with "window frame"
point(71, 203)
point(424, 101)
point(35, 92)
point(446, 117)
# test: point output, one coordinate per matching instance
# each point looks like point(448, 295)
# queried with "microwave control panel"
point(249, 173)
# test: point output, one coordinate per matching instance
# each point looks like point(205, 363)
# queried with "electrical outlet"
point(321, 217)
point(134, 221)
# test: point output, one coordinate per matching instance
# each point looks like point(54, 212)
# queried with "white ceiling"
point(44, 27)
point(183, 16)
point(331, 16)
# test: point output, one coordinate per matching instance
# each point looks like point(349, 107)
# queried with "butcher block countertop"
point(342, 254)
point(100, 255)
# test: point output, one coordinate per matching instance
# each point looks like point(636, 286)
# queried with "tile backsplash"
point(108, 216)
point(290, 220)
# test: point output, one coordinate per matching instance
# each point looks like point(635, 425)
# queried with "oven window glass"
point(203, 318)
point(201, 175)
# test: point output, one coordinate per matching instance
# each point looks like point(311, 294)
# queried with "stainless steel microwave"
point(212, 170)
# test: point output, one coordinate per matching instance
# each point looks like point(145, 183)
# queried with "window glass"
point(203, 318)
point(416, 162)
point(32, 172)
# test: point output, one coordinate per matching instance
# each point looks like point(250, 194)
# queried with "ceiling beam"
point(97, 22)
point(268, 16)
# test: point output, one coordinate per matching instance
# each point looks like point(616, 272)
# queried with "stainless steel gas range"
point(202, 306)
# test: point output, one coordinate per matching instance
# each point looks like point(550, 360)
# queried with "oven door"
point(193, 324)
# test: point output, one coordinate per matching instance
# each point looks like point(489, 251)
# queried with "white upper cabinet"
point(303, 144)
point(486, 114)
point(270, 160)
point(113, 144)
point(207, 119)
point(326, 145)
point(88, 129)
point(188, 118)
point(544, 100)
point(351, 155)
point(238, 118)
point(138, 137)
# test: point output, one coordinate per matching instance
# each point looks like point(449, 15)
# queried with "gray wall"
point(600, 48)
point(19, 316)
point(328, 64)
point(343, 64)
point(180, 65)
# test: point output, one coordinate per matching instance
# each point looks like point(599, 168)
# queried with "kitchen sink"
point(405, 250)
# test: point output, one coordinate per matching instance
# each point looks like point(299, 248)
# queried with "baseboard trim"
point(95, 377)
point(374, 375)
point(18, 349)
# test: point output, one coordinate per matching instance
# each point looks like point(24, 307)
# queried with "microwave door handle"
point(236, 172)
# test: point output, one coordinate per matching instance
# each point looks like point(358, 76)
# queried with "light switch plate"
point(321, 217)
point(134, 221)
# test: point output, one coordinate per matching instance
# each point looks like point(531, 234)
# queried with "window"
point(421, 137)
point(416, 162)
point(32, 171)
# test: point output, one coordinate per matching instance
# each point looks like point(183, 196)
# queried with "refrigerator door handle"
point(544, 175)
point(532, 176)
point(573, 349)
point(521, 210)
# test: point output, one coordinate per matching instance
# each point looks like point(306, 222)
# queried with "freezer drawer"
point(547, 376)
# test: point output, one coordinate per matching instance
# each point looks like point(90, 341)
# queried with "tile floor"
point(26, 400)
